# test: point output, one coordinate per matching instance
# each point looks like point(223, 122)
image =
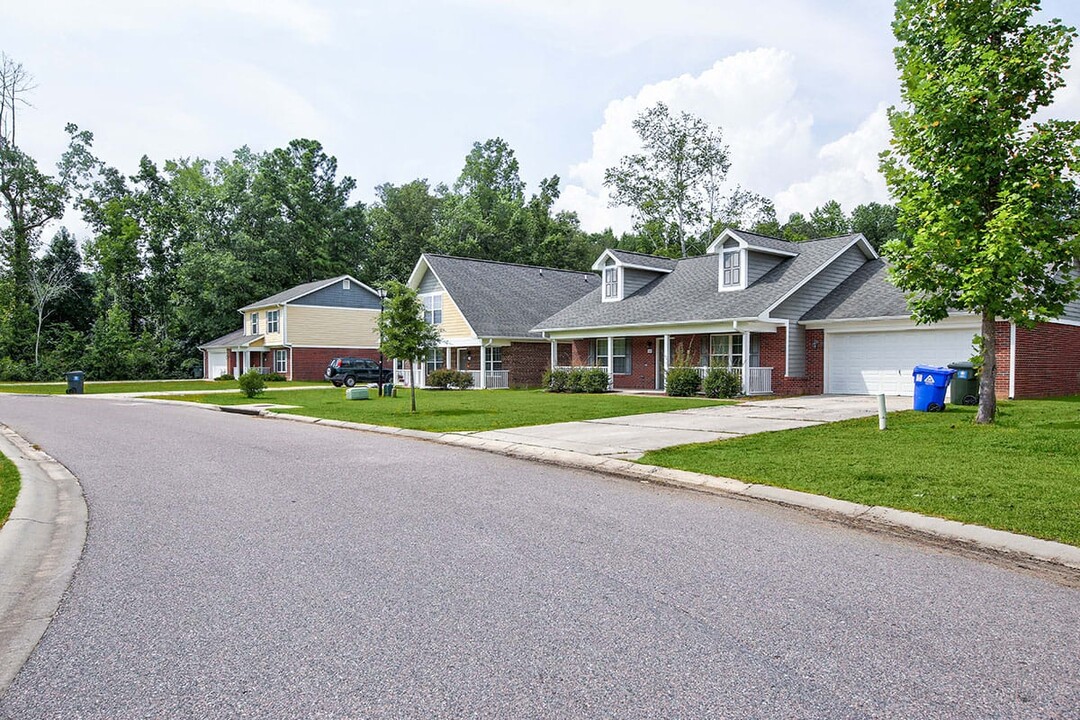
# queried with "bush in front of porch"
point(576, 380)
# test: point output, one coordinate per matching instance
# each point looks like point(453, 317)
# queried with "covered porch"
point(484, 361)
point(640, 362)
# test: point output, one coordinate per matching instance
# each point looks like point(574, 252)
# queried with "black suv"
point(349, 371)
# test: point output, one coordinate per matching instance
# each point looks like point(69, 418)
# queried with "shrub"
point(224, 376)
point(594, 380)
point(446, 379)
point(721, 382)
point(252, 384)
point(574, 381)
point(556, 380)
point(274, 377)
point(682, 381)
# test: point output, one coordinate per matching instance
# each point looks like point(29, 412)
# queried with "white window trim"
point(731, 354)
point(424, 298)
point(618, 284)
point(281, 359)
point(346, 284)
point(742, 269)
point(254, 323)
point(275, 322)
point(627, 348)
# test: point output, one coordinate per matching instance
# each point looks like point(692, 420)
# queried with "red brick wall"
point(642, 374)
point(525, 363)
point(310, 363)
point(1047, 360)
point(566, 354)
point(774, 355)
point(580, 353)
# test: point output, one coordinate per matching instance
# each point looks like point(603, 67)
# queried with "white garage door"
point(219, 362)
point(881, 362)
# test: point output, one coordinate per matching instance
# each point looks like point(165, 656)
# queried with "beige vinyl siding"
point(311, 325)
point(453, 323)
point(269, 339)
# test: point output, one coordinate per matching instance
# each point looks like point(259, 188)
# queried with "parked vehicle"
point(350, 371)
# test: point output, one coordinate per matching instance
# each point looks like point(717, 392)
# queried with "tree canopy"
point(986, 189)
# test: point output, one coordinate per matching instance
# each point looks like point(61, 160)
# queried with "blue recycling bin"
point(930, 386)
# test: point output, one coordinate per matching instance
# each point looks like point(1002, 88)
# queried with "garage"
point(871, 362)
point(217, 362)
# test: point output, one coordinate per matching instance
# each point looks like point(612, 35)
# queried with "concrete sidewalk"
point(629, 437)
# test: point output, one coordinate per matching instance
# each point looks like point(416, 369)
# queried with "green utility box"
point(356, 393)
point(965, 384)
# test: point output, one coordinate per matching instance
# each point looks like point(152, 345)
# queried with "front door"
point(462, 359)
point(661, 363)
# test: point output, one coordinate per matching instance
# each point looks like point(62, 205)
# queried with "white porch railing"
point(495, 380)
point(760, 379)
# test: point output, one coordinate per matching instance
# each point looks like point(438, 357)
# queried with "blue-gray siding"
point(807, 297)
point(337, 296)
point(429, 284)
point(757, 264)
point(634, 280)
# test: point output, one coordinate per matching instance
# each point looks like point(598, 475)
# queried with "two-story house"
point(298, 331)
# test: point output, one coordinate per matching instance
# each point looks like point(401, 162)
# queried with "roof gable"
point(299, 291)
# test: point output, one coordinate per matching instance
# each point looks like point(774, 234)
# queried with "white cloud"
point(847, 172)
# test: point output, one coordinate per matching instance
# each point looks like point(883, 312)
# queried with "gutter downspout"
point(1012, 360)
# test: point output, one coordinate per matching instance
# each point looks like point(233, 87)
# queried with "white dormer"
point(621, 269)
point(732, 249)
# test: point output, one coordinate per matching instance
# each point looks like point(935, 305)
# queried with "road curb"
point(40, 546)
point(975, 537)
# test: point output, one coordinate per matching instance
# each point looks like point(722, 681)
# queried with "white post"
point(667, 361)
point(554, 354)
point(746, 362)
point(447, 363)
point(236, 365)
point(247, 360)
point(881, 411)
point(483, 366)
point(611, 362)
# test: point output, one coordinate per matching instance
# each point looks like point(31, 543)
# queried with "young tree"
point(674, 183)
point(985, 191)
point(47, 285)
point(404, 333)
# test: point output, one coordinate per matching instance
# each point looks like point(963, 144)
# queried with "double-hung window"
point(620, 357)
point(272, 321)
point(255, 323)
point(494, 359)
point(281, 361)
point(436, 360)
point(433, 308)
point(725, 350)
point(732, 268)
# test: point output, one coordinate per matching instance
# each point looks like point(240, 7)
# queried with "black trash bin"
point(965, 384)
point(75, 380)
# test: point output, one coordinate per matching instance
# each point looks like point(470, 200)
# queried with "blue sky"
point(400, 90)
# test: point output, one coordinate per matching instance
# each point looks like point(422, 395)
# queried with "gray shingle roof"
point(643, 260)
point(689, 293)
point(293, 293)
point(866, 294)
point(236, 337)
point(504, 299)
point(768, 242)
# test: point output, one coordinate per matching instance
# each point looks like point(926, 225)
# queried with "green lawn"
point(449, 411)
point(92, 387)
point(9, 487)
point(1021, 475)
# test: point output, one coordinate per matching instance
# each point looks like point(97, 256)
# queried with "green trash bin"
point(965, 384)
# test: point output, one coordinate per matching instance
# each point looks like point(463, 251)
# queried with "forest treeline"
point(174, 249)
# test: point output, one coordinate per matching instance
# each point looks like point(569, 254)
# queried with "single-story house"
point(790, 318)
point(298, 331)
point(485, 312)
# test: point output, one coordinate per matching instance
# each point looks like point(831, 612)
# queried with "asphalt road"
point(243, 567)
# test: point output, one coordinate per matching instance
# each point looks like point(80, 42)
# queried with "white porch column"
point(667, 361)
point(746, 362)
point(611, 361)
point(554, 354)
point(236, 365)
point(483, 366)
point(247, 360)
point(447, 363)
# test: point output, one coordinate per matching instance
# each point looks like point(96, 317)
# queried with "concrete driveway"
point(631, 436)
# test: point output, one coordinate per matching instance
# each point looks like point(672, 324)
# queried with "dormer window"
point(611, 282)
point(732, 268)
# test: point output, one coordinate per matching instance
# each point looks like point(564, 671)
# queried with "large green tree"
point(986, 190)
point(674, 183)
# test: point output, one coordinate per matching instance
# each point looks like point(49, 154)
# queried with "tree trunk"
point(412, 384)
point(987, 395)
point(37, 335)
